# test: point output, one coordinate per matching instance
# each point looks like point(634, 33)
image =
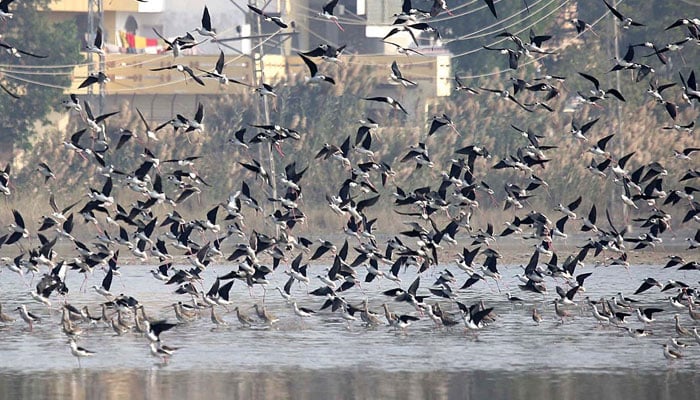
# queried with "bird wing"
point(313, 69)
point(206, 19)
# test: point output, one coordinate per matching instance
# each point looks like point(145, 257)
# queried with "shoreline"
point(514, 251)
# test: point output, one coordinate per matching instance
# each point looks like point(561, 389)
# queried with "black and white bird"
point(9, 92)
point(185, 71)
point(269, 18)
point(96, 46)
point(626, 22)
point(388, 100)
point(461, 87)
point(218, 72)
point(647, 284)
point(27, 316)
point(326, 52)
point(327, 13)
point(397, 77)
point(314, 77)
point(598, 93)
point(206, 29)
point(93, 78)
point(5, 10)
point(178, 44)
point(79, 352)
point(15, 52)
point(72, 103)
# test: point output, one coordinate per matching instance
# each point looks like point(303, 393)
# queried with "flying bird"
point(397, 77)
point(184, 69)
point(206, 29)
point(313, 71)
point(327, 13)
point(388, 100)
point(626, 22)
point(276, 20)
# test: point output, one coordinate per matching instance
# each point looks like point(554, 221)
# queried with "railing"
point(131, 73)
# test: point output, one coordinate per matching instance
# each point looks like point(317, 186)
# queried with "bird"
point(461, 87)
point(625, 22)
point(581, 26)
point(314, 77)
point(686, 153)
point(4, 318)
point(218, 72)
point(161, 351)
point(27, 316)
point(79, 352)
point(178, 44)
point(184, 69)
point(45, 171)
point(326, 52)
point(388, 100)
point(680, 330)
point(155, 328)
point(560, 312)
point(103, 289)
point(536, 316)
point(646, 285)
point(72, 103)
point(9, 92)
point(244, 319)
point(327, 13)
point(216, 319)
point(266, 90)
point(670, 353)
point(302, 312)
point(269, 18)
point(440, 121)
point(513, 55)
point(646, 315)
point(96, 46)
point(5, 10)
point(579, 131)
point(504, 94)
point(93, 78)
point(264, 314)
point(206, 29)
point(17, 53)
point(599, 93)
point(397, 77)
point(492, 7)
point(404, 50)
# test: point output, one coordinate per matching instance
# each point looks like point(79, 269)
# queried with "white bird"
point(27, 316)
point(313, 71)
point(79, 352)
point(96, 45)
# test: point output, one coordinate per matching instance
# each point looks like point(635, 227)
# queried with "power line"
point(500, 40)
point(536, 59)
point(13, 74)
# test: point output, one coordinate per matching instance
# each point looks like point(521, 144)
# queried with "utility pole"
point(257, 57)
point(616, 36)
point(95, 18)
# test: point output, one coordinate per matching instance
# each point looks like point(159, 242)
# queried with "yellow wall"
point(131, 73)
point(81, 5)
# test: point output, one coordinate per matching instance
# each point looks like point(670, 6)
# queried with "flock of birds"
point(152, 230)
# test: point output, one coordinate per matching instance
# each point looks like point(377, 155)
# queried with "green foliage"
point(32, 31)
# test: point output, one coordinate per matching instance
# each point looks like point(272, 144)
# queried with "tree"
point(31, 30)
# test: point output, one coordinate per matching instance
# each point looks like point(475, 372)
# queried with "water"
point(321, 358)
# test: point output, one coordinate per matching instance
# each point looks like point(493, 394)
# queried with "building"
point(132, 49)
